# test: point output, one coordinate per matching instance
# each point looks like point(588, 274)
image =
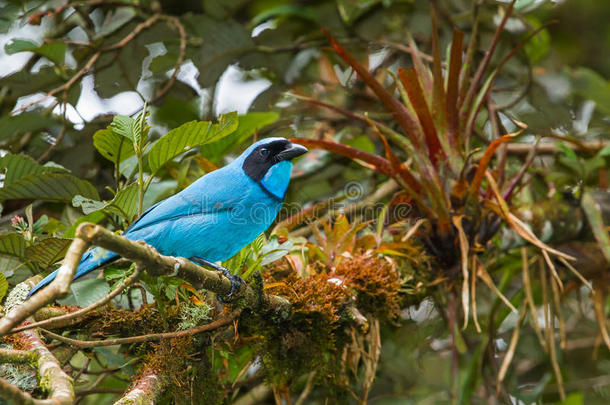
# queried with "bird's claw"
point(236, 285)
point(236, 281)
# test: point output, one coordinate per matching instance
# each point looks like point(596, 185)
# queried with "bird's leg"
point(236, 281)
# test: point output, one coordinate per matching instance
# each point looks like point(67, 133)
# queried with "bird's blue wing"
point(219, 190)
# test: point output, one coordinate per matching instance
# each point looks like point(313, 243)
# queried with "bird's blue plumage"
point(215, 216)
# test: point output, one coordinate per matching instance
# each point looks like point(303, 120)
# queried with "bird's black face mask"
point(263, 157)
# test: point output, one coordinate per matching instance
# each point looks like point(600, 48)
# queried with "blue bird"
point(216, 216)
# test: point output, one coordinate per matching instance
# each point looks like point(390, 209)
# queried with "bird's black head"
point(265, 153)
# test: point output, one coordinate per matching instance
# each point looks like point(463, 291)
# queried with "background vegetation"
point(445, 240)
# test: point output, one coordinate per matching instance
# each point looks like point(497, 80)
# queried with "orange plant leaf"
point(409, 79)
point(484, 162)
point(380, 164)
point(399, 111)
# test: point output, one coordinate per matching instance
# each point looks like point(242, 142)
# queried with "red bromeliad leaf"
point(423, 73)
point(380, 164)
point(399, 111)
point(399, 168)
point(484, 162)
point(453, 82)
point(409, 79)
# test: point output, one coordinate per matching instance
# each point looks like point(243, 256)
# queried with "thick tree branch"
point(57, 289)
point(146, 390)
point(51, 376)
point(16, 356)
point(157, 265)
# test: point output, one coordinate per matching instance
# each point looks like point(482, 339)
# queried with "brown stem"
point(145, 390)
point(76, 316)
point(145, 338)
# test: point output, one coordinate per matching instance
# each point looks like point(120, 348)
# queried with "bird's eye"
point(264, 152)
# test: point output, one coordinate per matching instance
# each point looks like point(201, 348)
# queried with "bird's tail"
point(90, 261)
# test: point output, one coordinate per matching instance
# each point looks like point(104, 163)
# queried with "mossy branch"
point(53, 379)
point(145, 389)
point(88, 235)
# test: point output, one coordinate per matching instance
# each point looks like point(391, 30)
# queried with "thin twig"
point(179, 61)
point(145, 338)
point(64, 87)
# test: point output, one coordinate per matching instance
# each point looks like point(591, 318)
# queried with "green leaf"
point(3, 286)
point(592, 86)
point(8, 14)
point(48, 251)
point(124, 126)
point(163, 63)
point(12, 244)
point(95, 218)
point(112, 146)
point(114, 19)
point(88, 205)
point(123, 68)
point(54, 51)
point(175, 112)
point(52, 186)
point(188, 136)
point(140, 129)
point(19, 45)
point(112, 273)
point(89, 291)
point(221, 43)
point(9, 265)
point(537, 47)
point(290, 10)
point(350, 10)
point(16, 167)
point(248, 124)
point(575, 398)
point(26, 82)
point(124, 203)
point(273, 250)
point(10, 126)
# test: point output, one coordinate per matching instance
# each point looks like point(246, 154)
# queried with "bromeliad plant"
point(452, 184)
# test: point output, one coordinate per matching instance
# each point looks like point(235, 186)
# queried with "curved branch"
point(73, 317)
point(145, 338)
point(51, 376)
point(57, 289)
point(157, 264)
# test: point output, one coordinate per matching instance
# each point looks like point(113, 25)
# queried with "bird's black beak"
point(292, 150)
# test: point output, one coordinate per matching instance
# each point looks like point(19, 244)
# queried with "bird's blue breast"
point(277, 178)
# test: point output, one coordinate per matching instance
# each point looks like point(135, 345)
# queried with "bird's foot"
point(236, 285)
point(236, 281)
